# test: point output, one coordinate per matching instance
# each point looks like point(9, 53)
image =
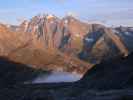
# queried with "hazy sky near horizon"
point(112, 12)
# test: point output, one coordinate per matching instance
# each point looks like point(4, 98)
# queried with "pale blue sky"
point(112, 12)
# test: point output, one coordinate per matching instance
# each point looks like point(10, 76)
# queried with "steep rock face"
point(66, 33)
point(103, 44)
point(126, 34)
point(44, 28)
point(74, 32)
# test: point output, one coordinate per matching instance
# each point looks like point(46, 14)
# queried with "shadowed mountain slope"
point(110, 80)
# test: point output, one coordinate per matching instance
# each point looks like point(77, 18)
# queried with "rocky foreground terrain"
point(110, 80)
point(47, 44)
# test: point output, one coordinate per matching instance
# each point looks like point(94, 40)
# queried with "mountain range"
point(63, 44)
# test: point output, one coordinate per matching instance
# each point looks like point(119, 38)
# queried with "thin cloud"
point(60, 1)
point(74, 14)
point(7, 12)
point(121, 14)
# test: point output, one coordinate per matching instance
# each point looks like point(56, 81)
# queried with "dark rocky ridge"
point(110, 80)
